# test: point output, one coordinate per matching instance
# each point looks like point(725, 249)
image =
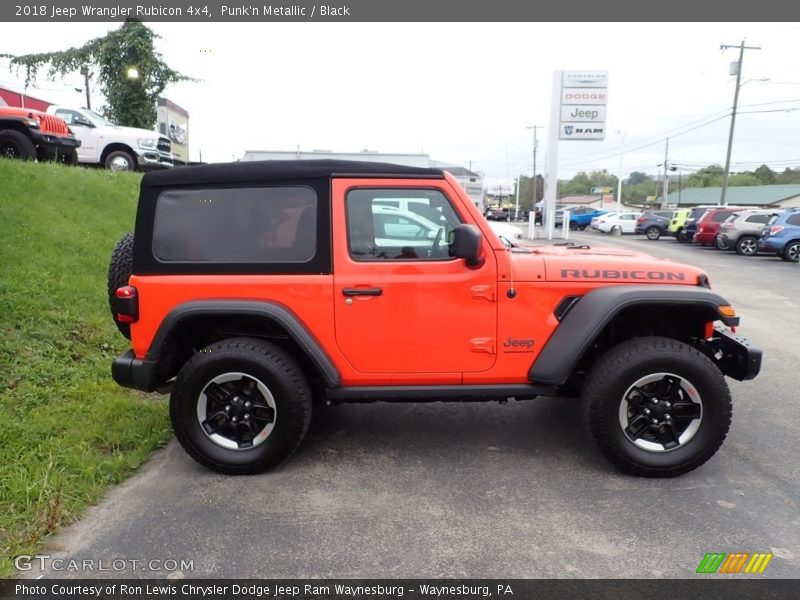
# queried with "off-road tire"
point(619, 368)
point(15, 144)
point(109, 162)
point(258, 359)
point(120, 268)
point(652, 233)
point(747, 245)
point(683, 237)
point(791, 252)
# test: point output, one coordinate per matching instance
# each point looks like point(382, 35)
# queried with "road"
point(483, 490)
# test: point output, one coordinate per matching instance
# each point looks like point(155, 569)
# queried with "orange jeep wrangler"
point(31, 134)
point(253, 290)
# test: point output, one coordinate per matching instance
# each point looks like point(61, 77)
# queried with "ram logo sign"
point(734, 563)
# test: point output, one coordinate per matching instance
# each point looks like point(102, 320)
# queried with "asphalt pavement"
point(480, 489)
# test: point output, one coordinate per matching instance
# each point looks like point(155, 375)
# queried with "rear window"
point(720, 215)
point(236, 225)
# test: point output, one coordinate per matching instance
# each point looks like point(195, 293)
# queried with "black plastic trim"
point(586, 320)
point(131, 372)
point(434, 393)
point(266, 310)
point(739, 359)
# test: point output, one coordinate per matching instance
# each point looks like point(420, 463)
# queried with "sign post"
point(577, 112)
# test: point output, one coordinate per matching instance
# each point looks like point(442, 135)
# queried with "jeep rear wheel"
point(657, 407)
point(683, 237)
point(240, 406)
point(653, 233)
point(747, 245)
point(120, 268)
point(15, 144)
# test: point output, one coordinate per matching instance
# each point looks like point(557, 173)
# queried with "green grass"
point(67, 431)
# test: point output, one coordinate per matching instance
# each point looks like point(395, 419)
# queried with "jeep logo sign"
point(583, 113)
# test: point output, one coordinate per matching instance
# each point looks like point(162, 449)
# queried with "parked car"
point(741, 231)
point(709, 223)
point(113, 147)
point(579, 216)
point(782, 235)
point(539, 208)
point(653, 223)
point(596, 220)
point(509, 234)
point(625, 222)
point(686, 235)
point(498, 213)
point(678, 221)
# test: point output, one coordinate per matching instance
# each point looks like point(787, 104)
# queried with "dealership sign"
point(584, 95)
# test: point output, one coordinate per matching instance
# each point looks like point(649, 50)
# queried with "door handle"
point(362, 292)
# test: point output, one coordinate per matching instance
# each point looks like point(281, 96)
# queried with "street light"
point(132, 73)
point(619, 178)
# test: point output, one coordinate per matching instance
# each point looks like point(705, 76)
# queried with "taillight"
point(127, 304)
point(775, 229)
point(640, 220)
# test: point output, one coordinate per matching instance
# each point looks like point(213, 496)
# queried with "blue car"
point(580, 217)
point(782, 235)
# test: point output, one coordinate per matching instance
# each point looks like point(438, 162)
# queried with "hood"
point(136, 132)
point(609, 265)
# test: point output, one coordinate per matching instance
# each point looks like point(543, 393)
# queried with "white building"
point(471, 182)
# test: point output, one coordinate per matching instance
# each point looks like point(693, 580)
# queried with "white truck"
point(114, 147)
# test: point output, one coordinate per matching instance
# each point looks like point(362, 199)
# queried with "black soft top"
point(280, 170)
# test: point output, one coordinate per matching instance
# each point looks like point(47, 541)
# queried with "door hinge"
point(485, 292)
point(484, 344)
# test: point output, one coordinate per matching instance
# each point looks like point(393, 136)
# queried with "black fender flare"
point(270, 311)
point(588, 316)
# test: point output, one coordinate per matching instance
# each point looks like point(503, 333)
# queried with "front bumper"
point(734, 355)
point(154, 159)
point(49, 144)
point(136, 373)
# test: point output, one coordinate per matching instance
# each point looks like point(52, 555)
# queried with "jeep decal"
point(518, 345)
point(614, 274)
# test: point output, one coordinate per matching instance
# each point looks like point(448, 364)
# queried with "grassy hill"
point(68, 431)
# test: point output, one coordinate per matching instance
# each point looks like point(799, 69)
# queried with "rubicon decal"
point(734, 563)
point(615, 274)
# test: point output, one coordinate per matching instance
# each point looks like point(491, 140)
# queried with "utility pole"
point(665, 187)
point(535, 146)
point(86, 77)
point(742, 48)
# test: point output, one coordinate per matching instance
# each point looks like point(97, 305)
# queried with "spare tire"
point(119, 272)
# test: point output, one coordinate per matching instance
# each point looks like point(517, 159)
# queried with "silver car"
point(741, 231)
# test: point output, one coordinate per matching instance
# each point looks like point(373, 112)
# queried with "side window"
point(236, 225)
point(67, 115)
point(757, 218)
point(421, 229)
point(793, 220)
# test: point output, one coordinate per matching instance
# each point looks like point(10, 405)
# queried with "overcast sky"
point(463, 92)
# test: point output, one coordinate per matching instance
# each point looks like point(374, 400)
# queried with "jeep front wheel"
point(15, 144)
point(240, 406)
point(657, 407)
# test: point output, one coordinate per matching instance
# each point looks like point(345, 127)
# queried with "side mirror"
point(467, 245)
point(81, 120)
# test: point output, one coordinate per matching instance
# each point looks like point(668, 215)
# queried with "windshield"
point(100, 120)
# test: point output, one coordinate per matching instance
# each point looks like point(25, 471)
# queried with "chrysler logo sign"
point(584, 79)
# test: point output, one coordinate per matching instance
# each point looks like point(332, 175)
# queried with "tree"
point(765, 175)
point(710, 176)
point(638, 177)
point(131, 101)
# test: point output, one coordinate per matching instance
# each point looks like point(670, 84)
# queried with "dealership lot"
point(482, 490)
